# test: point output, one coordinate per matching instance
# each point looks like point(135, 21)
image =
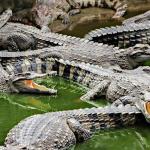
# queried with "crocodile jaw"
point(25, 84)
point(29, 86)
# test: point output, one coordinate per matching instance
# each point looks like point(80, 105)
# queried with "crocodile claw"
point(66, 20)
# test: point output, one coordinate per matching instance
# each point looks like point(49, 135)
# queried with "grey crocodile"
point(129, 58)
point(86, 74)
point(20, 78)
point(16, 36)
point(26, 37)
point(127, 90)
point(61, 130)
point(122, 36)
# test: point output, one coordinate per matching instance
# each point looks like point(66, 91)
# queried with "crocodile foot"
point(80, 133)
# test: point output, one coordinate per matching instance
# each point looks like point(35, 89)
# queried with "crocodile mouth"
point(27, 85)
point(147, 107)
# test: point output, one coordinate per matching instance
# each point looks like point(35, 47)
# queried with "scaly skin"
point(46, 11)
point(33, 38)
point(86, 74)
point(5, 17)
point(38, 39)
point(112, 58)
point(138, 19)
point(61, 130)
point(18, 78)
point(122, 36)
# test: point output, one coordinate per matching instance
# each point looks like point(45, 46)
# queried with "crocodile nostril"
point(24, 148)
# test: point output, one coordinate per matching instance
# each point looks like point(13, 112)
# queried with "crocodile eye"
point(139, 54)
point(136, 54)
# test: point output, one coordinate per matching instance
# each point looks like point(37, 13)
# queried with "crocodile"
point(46, 11)
point(86, 74)
point(123, 36)
point(139, 18)
point(128, 91)
point(129, 58)
point(41, 13)
point(20, 79)
point(20, 37)
point(33, 38)
point(62, 130)
point(40, 40)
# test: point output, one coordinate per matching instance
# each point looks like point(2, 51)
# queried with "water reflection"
point(124, 139)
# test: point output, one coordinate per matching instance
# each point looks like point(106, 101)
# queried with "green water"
point(15, 107)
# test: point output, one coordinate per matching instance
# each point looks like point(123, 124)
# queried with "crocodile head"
point(41, 13)
point(140, 53)
point(23, 83)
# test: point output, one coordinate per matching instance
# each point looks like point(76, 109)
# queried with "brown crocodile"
point(46, 11)
point(43, 12)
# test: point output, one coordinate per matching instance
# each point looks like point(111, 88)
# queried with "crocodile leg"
point(23, 16)
point(64, 16)
point(120, 8)
point(96, 91)
point(80, 133)
point(120, 11)
point(76, 6)
point(17, 41)
point(74, 12)
point(56, 13)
